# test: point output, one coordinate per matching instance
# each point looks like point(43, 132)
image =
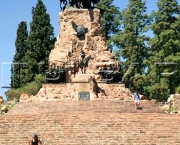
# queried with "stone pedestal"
point(176, 102)
point(69, 91)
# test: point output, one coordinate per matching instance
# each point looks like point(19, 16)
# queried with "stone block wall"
point(176, 101)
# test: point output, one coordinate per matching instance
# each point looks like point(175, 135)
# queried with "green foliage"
point(31, 67)
point(21, 41)
point(32, 52)
point(17, 79)
point(117, 54)
point(39, 79)
point(138, 83)
point(159, 92)
point(41, 37)
point(178, 90)
point(132, 41)
point(13, 94)
point(165, 45)
point(31, 88)
point(110, 20)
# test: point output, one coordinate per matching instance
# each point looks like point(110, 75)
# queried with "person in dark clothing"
point(35, 140)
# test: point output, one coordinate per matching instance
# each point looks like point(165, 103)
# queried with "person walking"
point(136, 100)
point(35, 140)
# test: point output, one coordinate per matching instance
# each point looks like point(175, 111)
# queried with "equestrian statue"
point(83, 62)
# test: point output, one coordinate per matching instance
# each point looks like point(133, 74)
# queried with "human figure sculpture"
point(83, 62)
point(82, 54)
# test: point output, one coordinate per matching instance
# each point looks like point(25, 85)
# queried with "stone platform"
point(69, 91)
point(84, 106)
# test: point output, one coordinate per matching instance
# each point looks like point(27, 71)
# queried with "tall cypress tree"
point(165, 48)
point(41, 40)
point(21, 49)
point(110, 19)
point(132, 42)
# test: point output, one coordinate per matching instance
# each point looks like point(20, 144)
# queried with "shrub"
point(159, 92)
point(178, 90)
point(13, 94)
point(39, 79)
point(31, 88)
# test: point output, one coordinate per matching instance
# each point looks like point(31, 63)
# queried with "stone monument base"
point(71, 91)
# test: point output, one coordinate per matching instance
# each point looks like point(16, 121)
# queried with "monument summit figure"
point(86, 4)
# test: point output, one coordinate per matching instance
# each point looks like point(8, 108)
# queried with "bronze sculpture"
point(111, 75)
point(80, 30)
point(86, 4)
point(55, 74)
point(83, 62)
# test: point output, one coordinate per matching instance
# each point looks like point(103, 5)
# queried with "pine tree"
point(41, 40)
point(21, 49)
point(165, 48)
point(110, 19)
point(132, 42)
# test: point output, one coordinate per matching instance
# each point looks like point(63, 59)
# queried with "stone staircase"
point(50, 107)
point(89, 123)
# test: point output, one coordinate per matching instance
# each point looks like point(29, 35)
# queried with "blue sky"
point(13, 12)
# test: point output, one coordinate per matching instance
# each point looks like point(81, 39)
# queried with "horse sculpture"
point(83, 63)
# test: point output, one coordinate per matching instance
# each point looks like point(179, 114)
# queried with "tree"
point(132, 42)
point(110, 19)
point(21, 49)
point(41, 40)
point(165, 47)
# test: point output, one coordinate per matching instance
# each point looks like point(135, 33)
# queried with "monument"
point(81, 67)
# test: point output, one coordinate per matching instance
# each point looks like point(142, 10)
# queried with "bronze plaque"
point(84, 95)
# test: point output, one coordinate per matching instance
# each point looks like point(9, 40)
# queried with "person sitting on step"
point(35, 140)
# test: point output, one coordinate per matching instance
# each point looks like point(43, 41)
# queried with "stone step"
point(90, 128)
point(82, 106)
point(89, 123)
point(81, 78)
